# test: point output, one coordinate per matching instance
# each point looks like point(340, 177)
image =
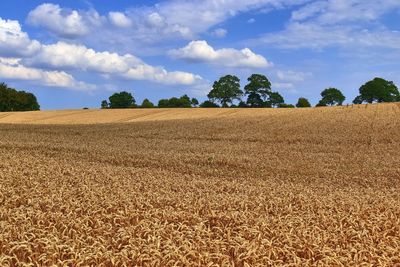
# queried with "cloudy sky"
point(73, 54)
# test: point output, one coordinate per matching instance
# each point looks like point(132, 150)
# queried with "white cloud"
point(32, 61)
point(70, 56)
point(62, 22)
point(339, 11)
point(201, 51)
point(311, 35)
point(142, 30)
point(283, 85)
point(119, 19)
point(251, 21)
point(219, 33)
point(14, 42)
point(13, 69)
point(340, 23)
point(292, 76)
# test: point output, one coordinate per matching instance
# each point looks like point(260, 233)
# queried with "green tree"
point(174, 102)
point(258, 84)
point(194, 102)
point(225, 90)
point(303, 103)
point(104, 104)
point(242, 104)
point(208, 104)
point(331, 97)
point(147, 104)
point(283, 105)
point(13, 100)
point(378, 90)
point(275, 99)
point(254, 100)
point(122, 100)
point(163, 103)
point(184, 102)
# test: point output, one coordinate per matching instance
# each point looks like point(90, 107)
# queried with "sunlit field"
point(201, 187)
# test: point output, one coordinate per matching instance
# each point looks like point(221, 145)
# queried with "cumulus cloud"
point(140, 27)
point(201, 51)
point(70, 56)
point(48, 63)
point(14, 42)
point(13, 69)
point(62, 22)
point(119, 19)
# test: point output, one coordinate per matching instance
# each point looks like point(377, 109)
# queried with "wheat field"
point(201, 187)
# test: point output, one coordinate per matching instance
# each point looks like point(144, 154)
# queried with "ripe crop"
point(199, 187)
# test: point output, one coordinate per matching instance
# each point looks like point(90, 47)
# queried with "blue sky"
point(73, 54)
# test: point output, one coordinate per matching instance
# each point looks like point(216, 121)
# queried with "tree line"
point(13, 100)
point(258, 93)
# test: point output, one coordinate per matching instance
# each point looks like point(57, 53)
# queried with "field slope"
point(200, 187)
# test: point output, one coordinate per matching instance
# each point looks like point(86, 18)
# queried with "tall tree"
point(122, 100)
point(331, 97)
point(303, 103)
point(104, 104)
point(194, 102)
point(254, 100)
point(147, 104)
point(275, 99)
point(225, 90)
point(13, 100)
point(378, 90)
point(258, 84)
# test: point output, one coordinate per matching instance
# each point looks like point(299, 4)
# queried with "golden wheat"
point(201, 187)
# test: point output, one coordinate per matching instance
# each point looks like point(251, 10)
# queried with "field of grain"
point(198, 187)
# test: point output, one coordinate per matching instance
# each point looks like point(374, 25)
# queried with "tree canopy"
point(331, 97)
point(303, 103)
point(258, 84)
point(208, 104)
point(122, 100)
point(147, 104)
point(13, 100)
point(275, 99)
point(378, 90)
point(174, 102)
point(225, 90)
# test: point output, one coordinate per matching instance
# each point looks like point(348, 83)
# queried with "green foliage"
point(13, 100)
point(331, 97)
point(283, 105)
point(258, 84)
point(242, 104)
point(174, 102)
point(259, 92)
point(254, 100)
point(303, 103)
point(225, 90)
point(378, 90)
point(147, 104)
point(104, 104)
point(275, 99)
point(208, 104)
point(194, 102)
point(122, 100)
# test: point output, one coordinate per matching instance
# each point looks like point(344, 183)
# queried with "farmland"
point(201, 187)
